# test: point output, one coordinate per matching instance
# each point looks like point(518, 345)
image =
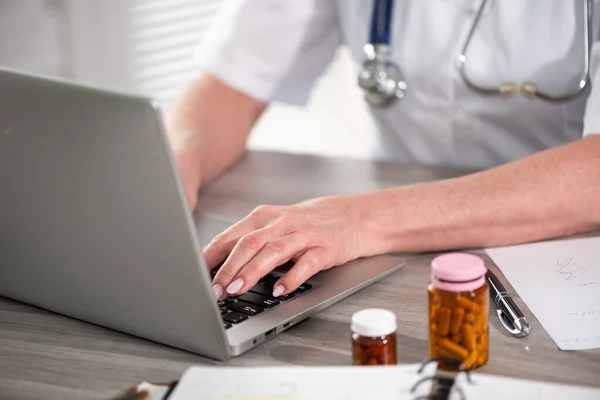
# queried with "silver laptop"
point(94, 225)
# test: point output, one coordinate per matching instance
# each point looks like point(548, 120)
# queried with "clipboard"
point(420, 381)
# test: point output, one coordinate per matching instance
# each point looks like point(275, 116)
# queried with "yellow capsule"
point(457, 319)
point(455, 349)
point(443, 327)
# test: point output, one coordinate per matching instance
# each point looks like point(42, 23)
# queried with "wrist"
point(378, 223)
point(399, 220)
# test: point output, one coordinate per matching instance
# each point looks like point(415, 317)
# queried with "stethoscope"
point(384, 83)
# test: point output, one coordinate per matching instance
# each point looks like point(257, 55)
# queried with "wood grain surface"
point(48, 356)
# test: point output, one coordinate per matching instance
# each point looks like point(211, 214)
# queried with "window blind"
point(164, 36)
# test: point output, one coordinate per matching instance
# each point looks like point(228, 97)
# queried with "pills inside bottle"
point(458, 310)
point(374, 337)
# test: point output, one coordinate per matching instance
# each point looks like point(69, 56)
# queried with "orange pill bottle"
point(458, 310)
point(374, 337)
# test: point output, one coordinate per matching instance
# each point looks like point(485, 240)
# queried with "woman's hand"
point(318, 234)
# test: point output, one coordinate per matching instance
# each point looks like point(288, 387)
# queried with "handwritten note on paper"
point(560, 283)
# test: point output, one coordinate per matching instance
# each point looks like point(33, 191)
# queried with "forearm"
point(549, 194)
point(211, 121)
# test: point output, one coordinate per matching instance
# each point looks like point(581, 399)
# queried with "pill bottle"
point(458, 310)
point(374, 337)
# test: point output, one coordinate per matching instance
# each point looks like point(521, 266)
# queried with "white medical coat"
point(274, 50)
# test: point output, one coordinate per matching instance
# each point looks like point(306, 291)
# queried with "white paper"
point(560, 283)
point(356, 383)
point(302, 383)
point(490, 387)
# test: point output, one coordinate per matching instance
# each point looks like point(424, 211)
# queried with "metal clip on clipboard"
point(444, 383)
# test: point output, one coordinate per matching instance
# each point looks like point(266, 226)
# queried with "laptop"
point(94, 225)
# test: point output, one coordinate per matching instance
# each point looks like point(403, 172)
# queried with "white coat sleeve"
point(272, 50)
point(591, 122)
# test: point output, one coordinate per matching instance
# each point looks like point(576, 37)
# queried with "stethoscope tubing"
point(583, 81)
point(380, 37)
point(381, 20)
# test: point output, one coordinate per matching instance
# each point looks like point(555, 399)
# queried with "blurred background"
point(146, 46)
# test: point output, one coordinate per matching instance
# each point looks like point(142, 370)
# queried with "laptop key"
point(262, 289)
point(270, 283)
point(286, 266)
point(224, 311)
point(286, 297)
point(267, 290)
point(265, 278)
point(235, 317)
point(226, 325)
point(259, 300)
point(303, 288)
point(224, 303)
point(246, 308)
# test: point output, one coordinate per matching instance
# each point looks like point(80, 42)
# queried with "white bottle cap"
point(373, 322)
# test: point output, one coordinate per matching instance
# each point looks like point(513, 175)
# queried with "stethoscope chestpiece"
point(382, 80)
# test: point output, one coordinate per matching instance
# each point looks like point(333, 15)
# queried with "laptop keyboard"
point(237, 309)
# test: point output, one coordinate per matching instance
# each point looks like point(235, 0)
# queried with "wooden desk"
point(43, 355)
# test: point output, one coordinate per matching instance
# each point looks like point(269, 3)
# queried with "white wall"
point(91, 41)
point(30, 36)
point(335, 122)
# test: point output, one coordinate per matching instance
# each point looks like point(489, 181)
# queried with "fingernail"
point(235, 286)
point(278, 291)
point(218, 291)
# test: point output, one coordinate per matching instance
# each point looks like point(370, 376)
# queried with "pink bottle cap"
point(458, 272)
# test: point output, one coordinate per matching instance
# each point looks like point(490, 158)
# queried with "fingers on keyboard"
point(237, 309)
